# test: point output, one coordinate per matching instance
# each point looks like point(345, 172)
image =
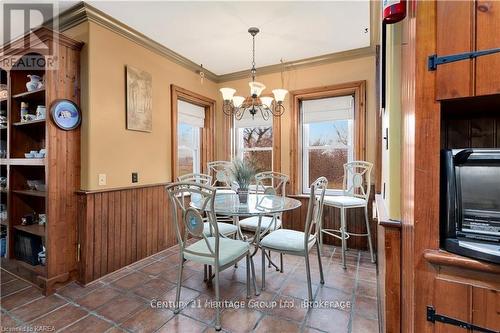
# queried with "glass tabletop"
point(257, 204)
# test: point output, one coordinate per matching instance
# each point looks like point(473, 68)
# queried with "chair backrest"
point(314, 210)
point(270, 182)
point(189, 220)
point(221, 171)
point(357, 179)
point(199, 178)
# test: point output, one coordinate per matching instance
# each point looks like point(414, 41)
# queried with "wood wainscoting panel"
point(119, 227)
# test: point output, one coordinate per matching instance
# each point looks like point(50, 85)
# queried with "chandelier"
point(267, 106)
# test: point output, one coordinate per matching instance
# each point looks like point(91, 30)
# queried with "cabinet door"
point(468, 303)
point(455, 25)
point(488, 37)
point(486, 308)
point(452, 299)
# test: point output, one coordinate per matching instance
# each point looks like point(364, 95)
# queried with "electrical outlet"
point(135, 177)
point(102, 179)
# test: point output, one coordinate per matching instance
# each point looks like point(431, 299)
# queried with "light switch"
point(102, 179)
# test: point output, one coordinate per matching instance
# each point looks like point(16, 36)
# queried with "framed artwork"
point(139, 100)
point(65, 114)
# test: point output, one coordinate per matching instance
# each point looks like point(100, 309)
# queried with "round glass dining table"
point(258, 205)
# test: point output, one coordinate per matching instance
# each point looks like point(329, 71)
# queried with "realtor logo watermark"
point(34, 52)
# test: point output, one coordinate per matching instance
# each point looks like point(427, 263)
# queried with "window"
point(254, 141)
point(327, 140)
point(190, 123)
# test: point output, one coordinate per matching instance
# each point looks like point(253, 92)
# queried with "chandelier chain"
point(254, 70)
point(255, 104)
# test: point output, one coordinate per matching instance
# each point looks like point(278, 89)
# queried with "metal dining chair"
point(267, 182)
point(226, 229)
point(356, 193)
point(214, 250)
point(299, 243)
point(221, 171)
point(199, 178)
point(225, 224)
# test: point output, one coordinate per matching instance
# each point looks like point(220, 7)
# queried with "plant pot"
point(242, 195)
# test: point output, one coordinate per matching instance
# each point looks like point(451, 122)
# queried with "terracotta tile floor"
point(121, 301)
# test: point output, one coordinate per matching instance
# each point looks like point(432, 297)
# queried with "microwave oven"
point(470, 203)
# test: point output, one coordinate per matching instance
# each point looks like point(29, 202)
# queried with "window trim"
point(358, 90)
point(207, 135)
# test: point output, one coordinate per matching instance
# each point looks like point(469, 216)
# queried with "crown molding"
point(83, 12)
point(309, 62)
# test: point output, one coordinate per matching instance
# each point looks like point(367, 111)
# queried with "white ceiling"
point(215, 33)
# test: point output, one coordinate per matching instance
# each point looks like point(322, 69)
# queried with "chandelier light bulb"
point(267, 101)
point(238, 101)
point(280, 94)
point(256, 88)
point(227, 93)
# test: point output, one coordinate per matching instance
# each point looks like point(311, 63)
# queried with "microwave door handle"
point(462, 156)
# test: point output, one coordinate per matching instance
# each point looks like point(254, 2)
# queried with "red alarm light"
point(394, 11)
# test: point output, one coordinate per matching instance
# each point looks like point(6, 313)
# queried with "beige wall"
point(317, 76)
point(107, 147)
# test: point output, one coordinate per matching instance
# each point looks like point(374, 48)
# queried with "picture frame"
point(139, 100)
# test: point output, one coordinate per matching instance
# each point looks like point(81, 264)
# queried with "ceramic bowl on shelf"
point(42, 219)
point(29, 155)
point(32, 184)
point(39, 155)
point(40, 187)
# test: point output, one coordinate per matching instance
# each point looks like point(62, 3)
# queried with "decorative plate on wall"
point(65, 114)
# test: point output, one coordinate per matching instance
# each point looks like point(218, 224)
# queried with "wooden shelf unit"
point(34, 229)
point(29, 123)
point(39, 93)
point(59, 170)
point(31, 193)
point(4, 169)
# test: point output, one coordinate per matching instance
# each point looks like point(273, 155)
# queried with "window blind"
point(328, 109)
point(191, 114)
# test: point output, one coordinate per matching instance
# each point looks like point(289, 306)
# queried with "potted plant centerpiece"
point(242, 173)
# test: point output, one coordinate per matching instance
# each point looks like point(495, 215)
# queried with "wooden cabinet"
point(466, 302)
point(466, 26)
point(55, 58)
point(488, 37)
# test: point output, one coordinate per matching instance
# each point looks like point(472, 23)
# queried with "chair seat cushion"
point(224, 228)
point(286, 240)
point(229, 250)
point(251, 223)
point(343, 201)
